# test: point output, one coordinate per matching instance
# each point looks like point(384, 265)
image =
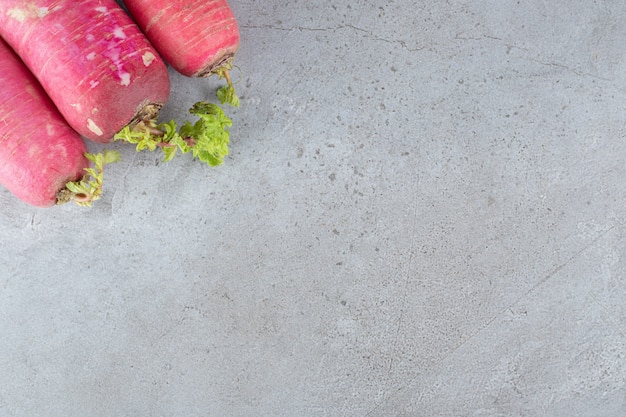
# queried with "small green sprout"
point(207, 139)
point(89, 188)
point(226, 94)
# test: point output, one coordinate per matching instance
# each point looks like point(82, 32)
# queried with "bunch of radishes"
point(87, 68)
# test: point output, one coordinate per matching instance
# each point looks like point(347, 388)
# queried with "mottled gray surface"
point(423, 214)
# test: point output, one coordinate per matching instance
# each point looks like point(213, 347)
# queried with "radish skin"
point(91, 58)
point(39, 152)
point(196, 37)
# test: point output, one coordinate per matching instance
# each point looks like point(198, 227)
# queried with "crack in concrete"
point(510, 46)
point(570, 69)
point(370, 34)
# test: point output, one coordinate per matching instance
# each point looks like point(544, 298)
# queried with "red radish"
point(92, 60)
point(197, 37)
point(39, 152)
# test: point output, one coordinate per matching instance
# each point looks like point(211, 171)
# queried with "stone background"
point(423, 214)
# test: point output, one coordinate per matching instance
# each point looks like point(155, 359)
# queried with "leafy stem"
point(226, 94)
point(207, 139)
point(89, 188)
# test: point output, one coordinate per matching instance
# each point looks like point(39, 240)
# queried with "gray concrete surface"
point(424, 214)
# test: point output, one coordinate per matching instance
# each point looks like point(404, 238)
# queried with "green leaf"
point(89, 188)
point(169, 130)
point(141, 135)
point(169, 152)
point(227, 95)
point(76, 186)
point(111, 156)
point(207, 138)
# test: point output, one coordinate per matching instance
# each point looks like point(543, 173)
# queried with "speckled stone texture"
point(423, 214)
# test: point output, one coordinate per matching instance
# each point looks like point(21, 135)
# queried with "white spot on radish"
point(94, 127)
point(119, 33)
point(30, 90)
point(125, 78)
point(91, 56)
point(60, 150)
point(42, 12)
point(77, 106)
point(49, 129)
point(17, 14)
point(34, 151)
point(114, 55)
point(31, 11)
point(90, 38)
point(93, 83)
point(102, 9)
point(147, 58)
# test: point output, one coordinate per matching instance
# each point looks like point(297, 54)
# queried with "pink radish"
point(92, 60)
point(40, 155)
point(197, 37)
